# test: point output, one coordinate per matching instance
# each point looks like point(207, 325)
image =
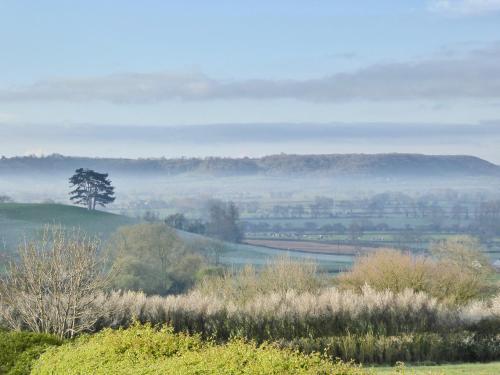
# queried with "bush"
point(154, 259)
point(18, 350)
point(52, 285)
point(445, 278)
point(144, 350)
point(279, 276)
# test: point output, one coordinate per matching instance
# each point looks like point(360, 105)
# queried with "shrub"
point(154, 259)
point(279, 276)
point(144, 350)
point(446, 279)
point(52, 287)
point(18, 350)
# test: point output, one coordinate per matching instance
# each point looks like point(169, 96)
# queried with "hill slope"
point(19, 220)
point(328, 164)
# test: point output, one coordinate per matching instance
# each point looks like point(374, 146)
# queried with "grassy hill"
point(22, 220)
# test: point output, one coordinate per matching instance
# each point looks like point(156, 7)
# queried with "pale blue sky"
point(201, 62)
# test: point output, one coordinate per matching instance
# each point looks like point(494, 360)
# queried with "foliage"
point(445, 279)
point(52, 286)
point(91, 188)
point(144, 350)
point(223, 221)
point(151, 257)
point(279, 276)
point(465, 252)
point(181, 222)
point(18, 350)
point(424, 347)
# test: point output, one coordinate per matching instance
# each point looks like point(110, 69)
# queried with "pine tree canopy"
point(91, 188)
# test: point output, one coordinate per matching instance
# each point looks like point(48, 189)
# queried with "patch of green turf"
point(22, 220)
point(492, 368)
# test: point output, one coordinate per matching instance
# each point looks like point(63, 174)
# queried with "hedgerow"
point(142, 349)
point(18, 350)
point(414, 348)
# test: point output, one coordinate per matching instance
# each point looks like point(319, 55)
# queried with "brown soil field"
point(311, 246)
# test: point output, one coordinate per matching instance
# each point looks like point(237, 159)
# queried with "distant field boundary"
point(311, 247)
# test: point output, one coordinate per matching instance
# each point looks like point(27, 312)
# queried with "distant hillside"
point(18, 220)
point(330, 164)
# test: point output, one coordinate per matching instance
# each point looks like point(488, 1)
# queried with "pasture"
point(19, 221)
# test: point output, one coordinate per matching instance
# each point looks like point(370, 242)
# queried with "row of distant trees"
point(324, 207)
point(222, 222)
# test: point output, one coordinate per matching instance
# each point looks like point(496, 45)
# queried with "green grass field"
point(19, 221)
point(458, 369)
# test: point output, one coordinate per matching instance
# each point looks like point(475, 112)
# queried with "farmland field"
point(238, 255)
point(310, 246)
point(19, 221)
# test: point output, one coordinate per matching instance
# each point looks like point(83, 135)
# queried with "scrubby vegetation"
point(154, 259)
point(457, 274)
point(18, 350)
point(391, 307)
point(426, 347)
point(144, 350)
point(276, 316)
point(279, 276)
point(53, 286)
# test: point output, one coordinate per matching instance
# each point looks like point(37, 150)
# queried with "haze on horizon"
point(251, 140)
point(126, 79)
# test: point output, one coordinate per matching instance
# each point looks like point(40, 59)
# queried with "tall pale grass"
point(278, 276)
point(369, 326)
point(290, 314)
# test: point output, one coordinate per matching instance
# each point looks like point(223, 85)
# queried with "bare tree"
point(53, 285)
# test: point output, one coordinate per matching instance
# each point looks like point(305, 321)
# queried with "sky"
point(149, 64)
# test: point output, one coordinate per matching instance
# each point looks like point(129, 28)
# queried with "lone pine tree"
point(91, 188)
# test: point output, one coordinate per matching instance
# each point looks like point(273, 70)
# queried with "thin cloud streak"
point(465, 7)
point(476, 76)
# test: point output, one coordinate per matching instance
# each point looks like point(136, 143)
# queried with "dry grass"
point(290, 315)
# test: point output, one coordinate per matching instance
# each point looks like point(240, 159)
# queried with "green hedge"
point(145, 350)
point(415, 348)
point(18, 350)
